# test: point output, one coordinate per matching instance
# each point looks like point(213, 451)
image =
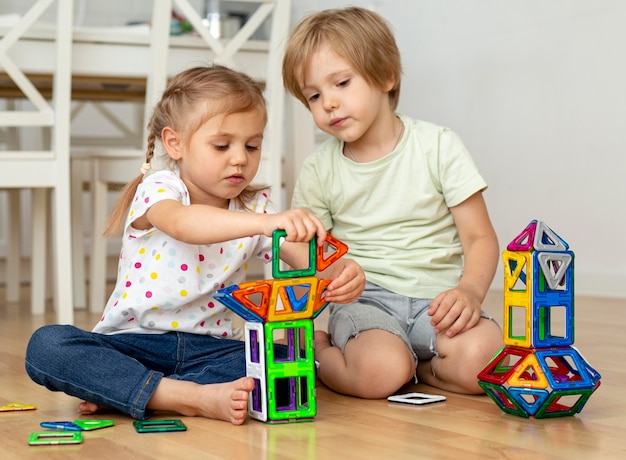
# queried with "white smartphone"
point(416, 398)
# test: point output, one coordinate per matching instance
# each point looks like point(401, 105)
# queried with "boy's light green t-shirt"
point(393, 213)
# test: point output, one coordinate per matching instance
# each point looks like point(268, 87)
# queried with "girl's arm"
point(459, 309)
point(204, 224)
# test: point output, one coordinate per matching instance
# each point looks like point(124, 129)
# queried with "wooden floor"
point(463, 427)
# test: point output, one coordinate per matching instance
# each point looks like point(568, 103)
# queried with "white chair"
point(108, 166)
point(9, 138)
point(47, 168)
point(112, 166)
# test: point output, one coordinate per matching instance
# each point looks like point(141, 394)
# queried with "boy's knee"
point(382, 378)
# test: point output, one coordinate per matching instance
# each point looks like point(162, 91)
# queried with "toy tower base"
point(284, 386)
point(546, 382)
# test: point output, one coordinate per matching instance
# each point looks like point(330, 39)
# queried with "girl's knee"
point(45, 343)
point(41, 339)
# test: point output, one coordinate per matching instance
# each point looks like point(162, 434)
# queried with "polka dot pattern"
point(166, 285)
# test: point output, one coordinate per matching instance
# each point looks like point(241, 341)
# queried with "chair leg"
point(13, 260)
point(39, 251)
point(79, 277)
point(61, 249)
point(97, 262)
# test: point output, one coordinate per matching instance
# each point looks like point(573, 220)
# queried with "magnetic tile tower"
point(283, 308)
point(538, 372)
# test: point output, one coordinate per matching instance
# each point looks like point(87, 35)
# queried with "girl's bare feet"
point(221, 401)
point(226, 401)
point(87, 408)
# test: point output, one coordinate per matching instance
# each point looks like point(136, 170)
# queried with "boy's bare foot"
point(321, 341)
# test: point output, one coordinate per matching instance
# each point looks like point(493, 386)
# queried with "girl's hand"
point(348, 281)
point(454, 311)
point(299, 224)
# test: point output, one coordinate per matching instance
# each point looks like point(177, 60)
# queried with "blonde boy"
point(406, 197)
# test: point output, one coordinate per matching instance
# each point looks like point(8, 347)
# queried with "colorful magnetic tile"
point(500, 367)
point(517, 320)
point(528, 374)
point(543, 335)
point(256, 369)
point(555, 269)
point(62, 425)
point(517, 266)
point(530, 399)
point(320, 303)
point(280, 308)
point(49, 438)
point(158, 426)
point(539, 237)
point(324, 260)
point(280, 274)
point(417, 399)
point(246, 295)
point(299, 335)
point(568, 370)
point(299, 404)
point(296, 296)
point(225, 296)
point(546, 239)
point(555, 407)
point(88, 425)
point(16, 406)
point(503, 399)
point(524, 241)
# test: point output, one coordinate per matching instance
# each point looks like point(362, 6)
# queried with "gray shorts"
point(378, 308)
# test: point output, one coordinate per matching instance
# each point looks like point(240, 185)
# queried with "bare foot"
point(87, 408)
point(227, 401)
point(221, 401)
point(321, 341)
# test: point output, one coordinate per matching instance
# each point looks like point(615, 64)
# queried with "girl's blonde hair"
point(190, 99)
point(358, 35)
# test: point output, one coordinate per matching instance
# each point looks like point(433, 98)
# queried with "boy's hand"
point(348, 281)
point(454, 311)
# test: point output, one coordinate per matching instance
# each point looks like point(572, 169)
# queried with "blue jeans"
point(123, 370)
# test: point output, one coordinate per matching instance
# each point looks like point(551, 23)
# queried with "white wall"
point(537, 90)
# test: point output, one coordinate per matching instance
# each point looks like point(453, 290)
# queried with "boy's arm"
point(459, 309)
point(348, 278)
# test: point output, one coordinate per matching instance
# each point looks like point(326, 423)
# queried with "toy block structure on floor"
point(283, 309)
point(539, 373)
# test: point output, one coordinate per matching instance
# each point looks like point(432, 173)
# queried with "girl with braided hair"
point(191, 222)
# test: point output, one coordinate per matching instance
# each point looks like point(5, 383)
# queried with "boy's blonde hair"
point(358, 35)
point(190, 99)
